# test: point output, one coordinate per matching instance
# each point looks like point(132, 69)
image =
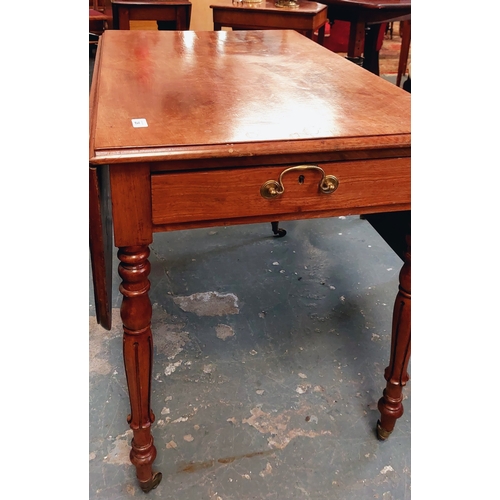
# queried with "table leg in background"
point(370, 52)
point(390, 405)
point(356, 42)
point(321, 35)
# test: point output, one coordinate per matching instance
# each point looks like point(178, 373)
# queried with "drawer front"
point(184, 197)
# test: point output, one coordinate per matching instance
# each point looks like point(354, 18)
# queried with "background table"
point(365, 17)
point(239, 127)
point(177, 11)
point(307, 17)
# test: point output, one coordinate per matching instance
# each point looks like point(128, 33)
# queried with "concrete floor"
point(269, 359)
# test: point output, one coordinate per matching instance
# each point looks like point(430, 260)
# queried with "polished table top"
point(200, 91)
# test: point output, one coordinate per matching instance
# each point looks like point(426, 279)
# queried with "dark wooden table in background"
point(213, 138)
point(365, 17)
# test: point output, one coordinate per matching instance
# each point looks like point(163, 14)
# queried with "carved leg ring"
point(390, 405)
point(136, 315)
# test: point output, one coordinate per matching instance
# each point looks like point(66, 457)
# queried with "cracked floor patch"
point(120, 454)
point(98, 343)
point(209, 303)
point(279, 426)
point(168, 338)
point(224, 332)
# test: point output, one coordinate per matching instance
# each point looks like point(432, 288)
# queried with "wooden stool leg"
point(390, 405)
point(136, 315)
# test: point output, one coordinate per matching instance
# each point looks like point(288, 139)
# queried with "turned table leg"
point(390, 405)
point(370, 52)
point(136, 315)
point(356, 42)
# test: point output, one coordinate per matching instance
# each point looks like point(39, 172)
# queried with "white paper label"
point(139, 122)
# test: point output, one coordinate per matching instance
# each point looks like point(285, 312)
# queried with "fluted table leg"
point(390, 405)
point(136, 312)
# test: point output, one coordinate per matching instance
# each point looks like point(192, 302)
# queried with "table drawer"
point(183, 197)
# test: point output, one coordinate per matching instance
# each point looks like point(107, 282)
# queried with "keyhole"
point(301, 179)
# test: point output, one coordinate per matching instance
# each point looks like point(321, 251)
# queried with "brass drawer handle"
point(271, 189)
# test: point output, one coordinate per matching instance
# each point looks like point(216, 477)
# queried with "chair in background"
point(100, 19)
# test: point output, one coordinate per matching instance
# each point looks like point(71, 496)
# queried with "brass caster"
point(382, 434)
point(155, 480)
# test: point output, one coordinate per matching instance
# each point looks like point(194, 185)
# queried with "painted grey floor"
point(269, 359)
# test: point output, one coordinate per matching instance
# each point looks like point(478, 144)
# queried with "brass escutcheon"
point(270, 189)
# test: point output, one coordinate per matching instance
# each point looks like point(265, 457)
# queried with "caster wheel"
point(278, 232)
point(382, 434)
point(152, 483)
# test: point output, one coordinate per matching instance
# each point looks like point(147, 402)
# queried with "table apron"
point(369, 16)
point(276, 20)
point(153, 13)
point(232, 196)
